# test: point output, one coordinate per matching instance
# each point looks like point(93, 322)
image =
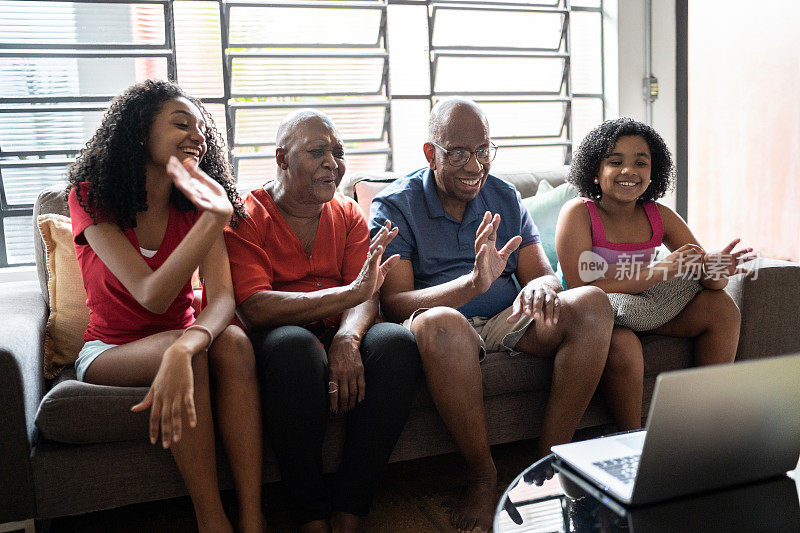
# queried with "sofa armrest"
point(769, 300)
point(23, 314)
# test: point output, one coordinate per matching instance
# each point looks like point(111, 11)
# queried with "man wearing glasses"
point(463, 235)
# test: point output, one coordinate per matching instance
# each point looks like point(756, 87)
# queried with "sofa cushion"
point(528, 182)
point(365, 190)
point(503, 373)
point(51, 200)
point(69, 315)
point(363, 186)
point(75, 412)
point(544, 208)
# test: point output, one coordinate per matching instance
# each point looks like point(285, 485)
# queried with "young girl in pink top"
point(149, 197)
point(620, 169)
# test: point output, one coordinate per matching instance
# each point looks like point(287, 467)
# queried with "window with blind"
point(375, 66)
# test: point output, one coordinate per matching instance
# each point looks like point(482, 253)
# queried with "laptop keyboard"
point(622, 468)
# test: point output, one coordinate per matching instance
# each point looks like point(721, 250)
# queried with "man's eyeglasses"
point(459, 157)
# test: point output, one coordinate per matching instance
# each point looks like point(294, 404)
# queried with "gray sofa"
point(68, 447)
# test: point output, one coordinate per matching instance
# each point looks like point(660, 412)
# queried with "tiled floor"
point(416, 497)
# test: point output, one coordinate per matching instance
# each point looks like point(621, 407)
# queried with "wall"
point(744, 137)
point(630, 30)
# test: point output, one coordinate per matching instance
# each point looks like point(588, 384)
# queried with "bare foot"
point(347, 523)
point(315, 526)
point(476, 510)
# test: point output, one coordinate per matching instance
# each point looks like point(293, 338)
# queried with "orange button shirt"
point(266, 255)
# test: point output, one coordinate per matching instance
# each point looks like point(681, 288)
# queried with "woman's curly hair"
point(599, 144)
point(113, 161)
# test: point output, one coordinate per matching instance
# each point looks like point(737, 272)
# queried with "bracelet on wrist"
point(204, 329)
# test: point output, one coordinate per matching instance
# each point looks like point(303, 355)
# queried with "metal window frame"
point(564, 92)
point(229, 55)
point(70, 103)
point(231, 105)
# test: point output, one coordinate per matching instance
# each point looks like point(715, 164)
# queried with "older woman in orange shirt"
point(306, 277)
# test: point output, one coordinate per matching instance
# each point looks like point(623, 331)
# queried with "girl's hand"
point(205, 193)
point(685, 259)
point(724, 264)
point(171, 392)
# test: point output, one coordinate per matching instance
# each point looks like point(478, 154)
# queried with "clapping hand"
point(489, 261)
point(726, 262)
point(199, 187)
point(373, 272)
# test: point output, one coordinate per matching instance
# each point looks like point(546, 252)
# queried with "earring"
point(596, 181)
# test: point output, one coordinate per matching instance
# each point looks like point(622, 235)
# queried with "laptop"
point(708, 428)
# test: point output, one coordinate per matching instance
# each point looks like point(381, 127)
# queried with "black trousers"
point(293, 370)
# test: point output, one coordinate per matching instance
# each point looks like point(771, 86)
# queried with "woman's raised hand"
point(199, 187)
point(373, 272)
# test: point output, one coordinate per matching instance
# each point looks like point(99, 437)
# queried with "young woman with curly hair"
point(149, 197)
point(621, 167)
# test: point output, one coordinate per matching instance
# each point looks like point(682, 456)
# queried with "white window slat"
point(304, 26)
point(19, 240)
point(492, 29)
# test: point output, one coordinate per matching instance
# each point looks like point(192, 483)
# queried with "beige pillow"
point(69, 316)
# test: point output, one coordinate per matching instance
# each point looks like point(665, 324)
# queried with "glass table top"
point(542, 499)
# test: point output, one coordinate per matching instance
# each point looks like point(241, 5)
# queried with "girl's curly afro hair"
point(113, 161)
point(599, 144)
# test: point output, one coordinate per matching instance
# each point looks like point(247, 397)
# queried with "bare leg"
point(135, 364)
point(713, 319)
point(580, 341)
point(238, 410)
point(449, 349)
point(342, 522)
point(315, 526)
point(623, 379)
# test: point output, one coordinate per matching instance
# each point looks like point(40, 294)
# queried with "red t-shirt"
point(115, 317)
point(266, 255)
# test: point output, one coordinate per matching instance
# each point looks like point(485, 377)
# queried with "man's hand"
point(172, 390)
point(373, 272)
point(347, 371)
point(489, 261)
point(726, 262)
point(538, 300)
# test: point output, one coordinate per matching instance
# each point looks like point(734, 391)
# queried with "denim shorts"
point(88, 354)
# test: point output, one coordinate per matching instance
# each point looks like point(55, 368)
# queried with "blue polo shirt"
point(440, 247)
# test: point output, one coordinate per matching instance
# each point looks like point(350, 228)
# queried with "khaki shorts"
point(497, 335)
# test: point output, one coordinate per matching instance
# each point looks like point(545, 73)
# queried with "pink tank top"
point(637, 252)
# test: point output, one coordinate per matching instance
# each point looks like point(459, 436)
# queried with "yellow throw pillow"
point(69, 316)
